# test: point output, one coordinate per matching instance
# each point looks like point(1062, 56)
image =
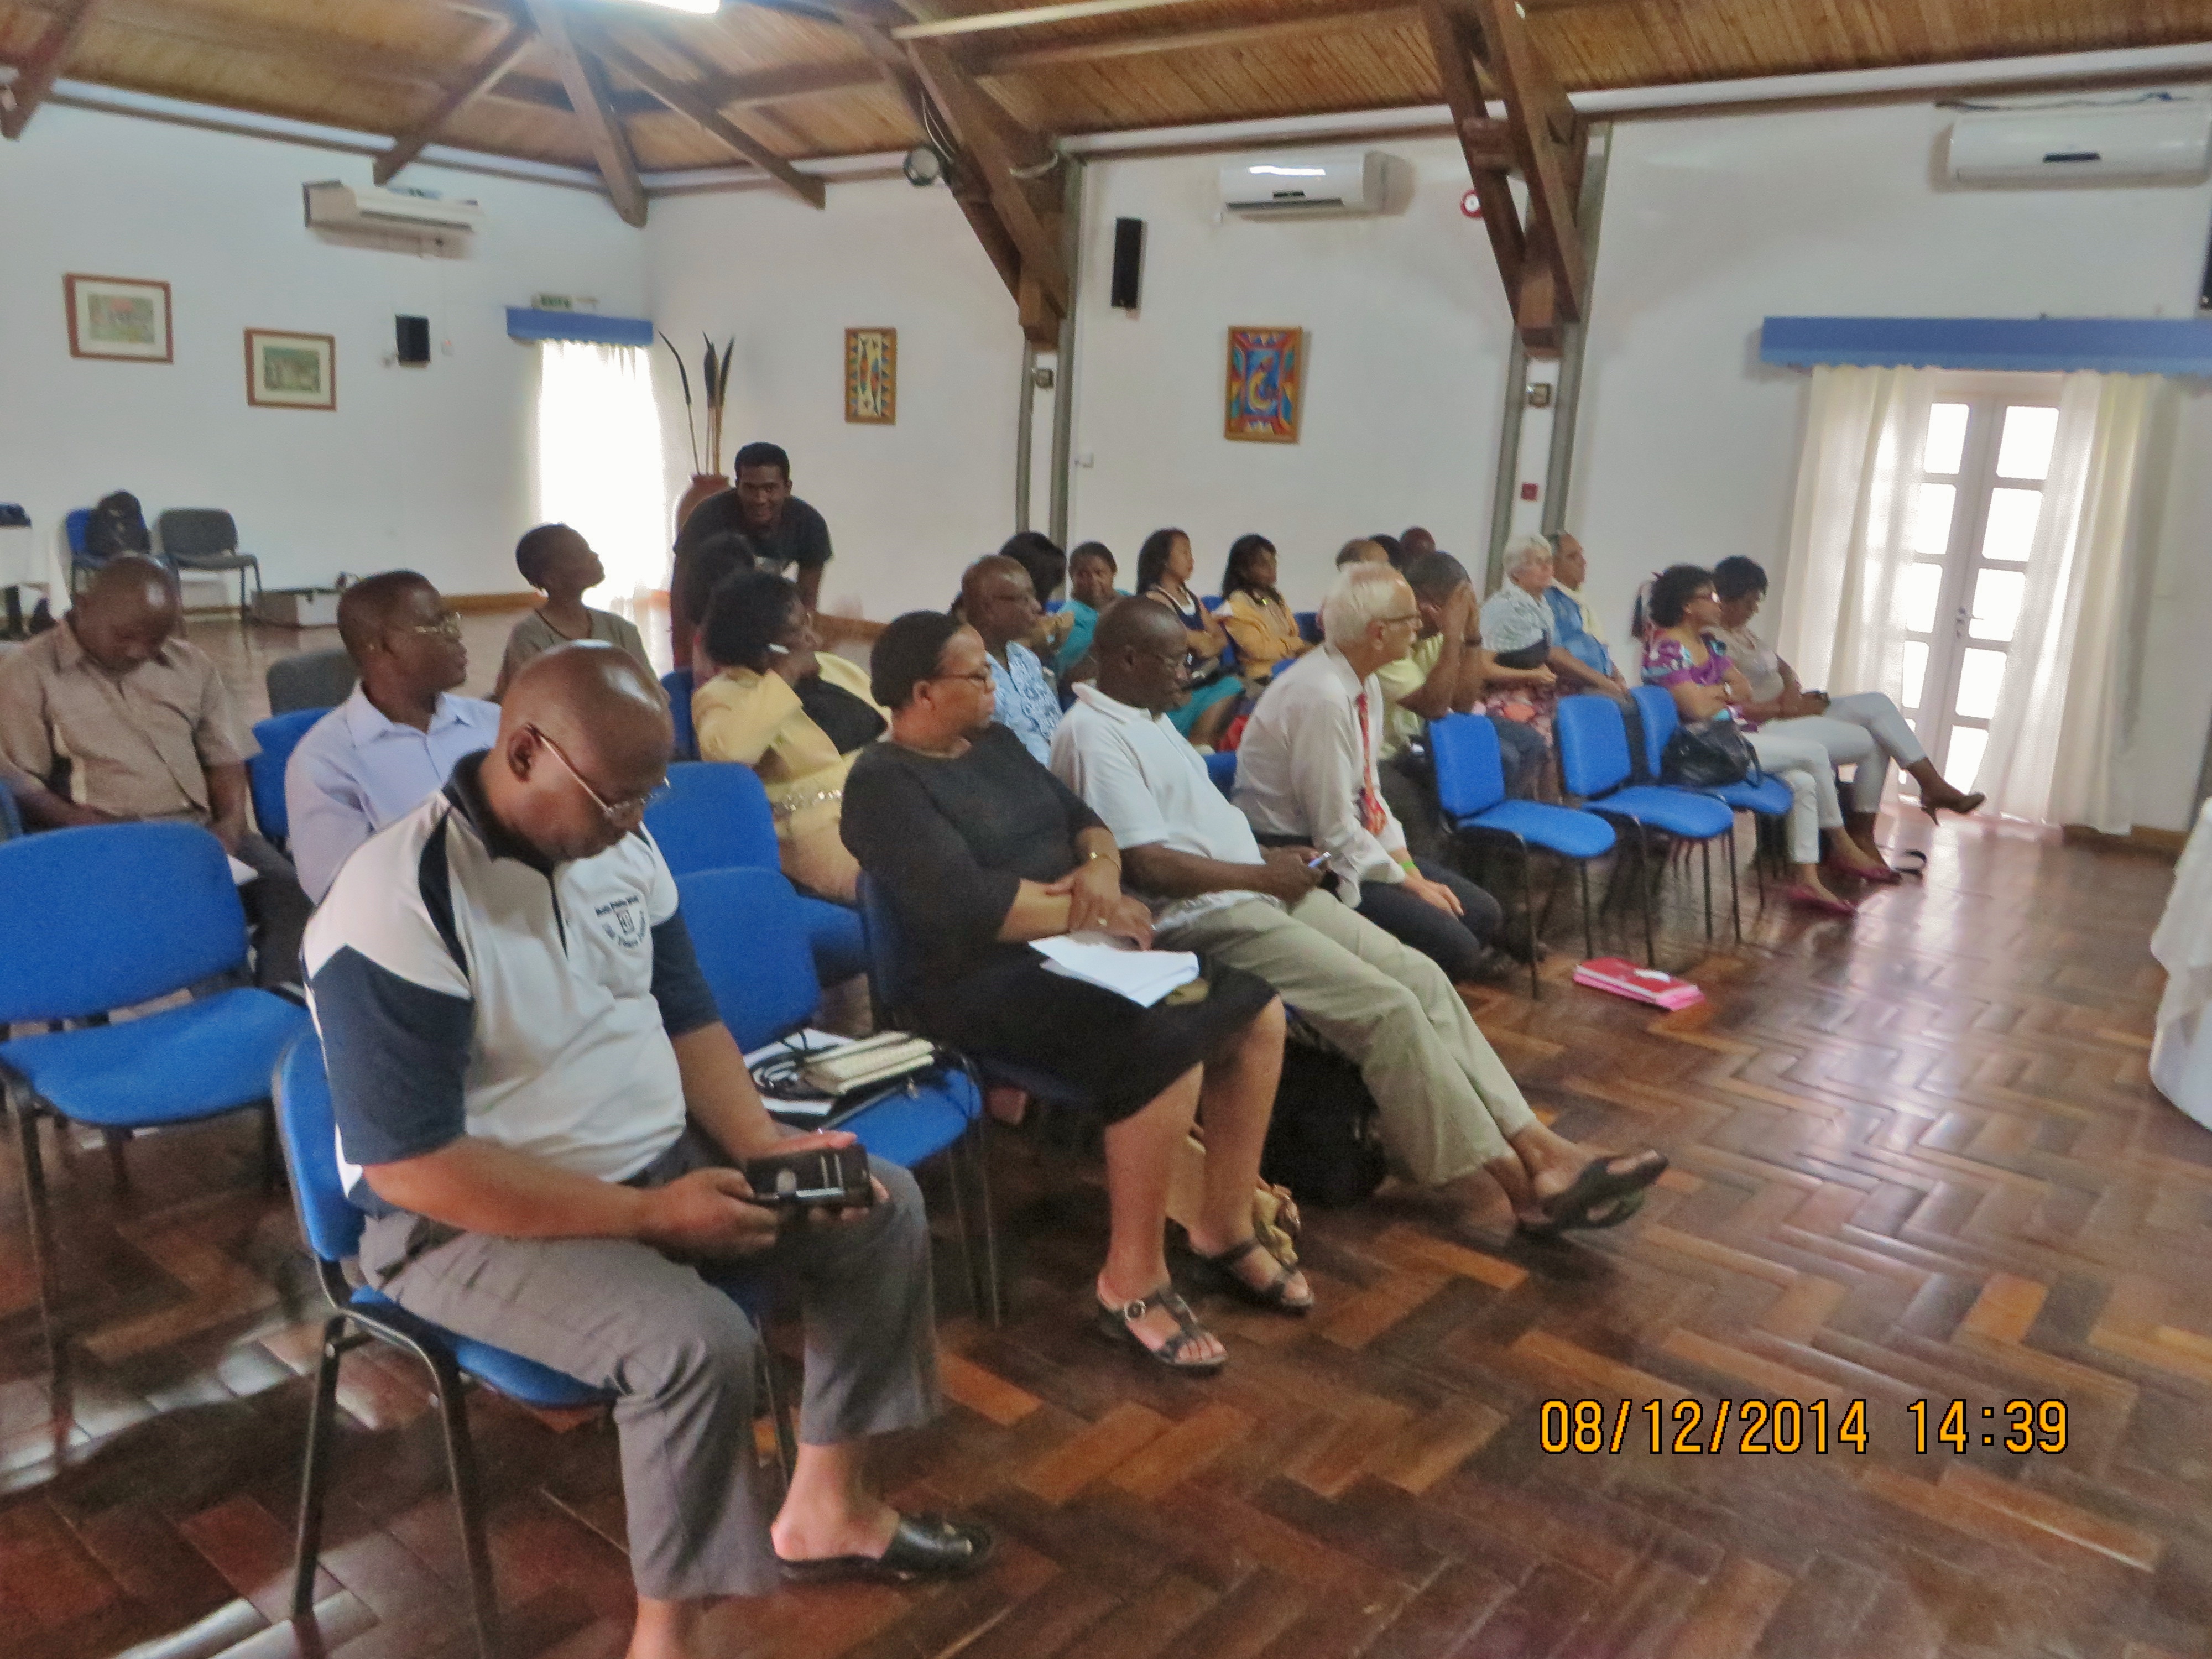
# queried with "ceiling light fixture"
point(697, 8)
point(923, 167)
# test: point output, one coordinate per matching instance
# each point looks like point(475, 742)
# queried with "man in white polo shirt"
point(392, 745)
point(539, 1108)
point(1448, 1106)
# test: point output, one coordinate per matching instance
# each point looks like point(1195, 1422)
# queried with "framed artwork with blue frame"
point(1266, 385)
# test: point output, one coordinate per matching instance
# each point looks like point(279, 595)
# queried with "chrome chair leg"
point(307, 1545)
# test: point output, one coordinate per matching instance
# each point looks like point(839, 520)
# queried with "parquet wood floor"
point(1915, 1156)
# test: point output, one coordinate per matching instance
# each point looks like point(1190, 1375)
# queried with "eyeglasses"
point(981, 677)
point(1398, 621)
point(627, 811)
point(447, 627)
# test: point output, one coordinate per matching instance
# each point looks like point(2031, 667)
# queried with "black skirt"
point(1010, 1007)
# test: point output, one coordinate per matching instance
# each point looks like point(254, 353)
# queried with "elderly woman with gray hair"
point(1520, 631)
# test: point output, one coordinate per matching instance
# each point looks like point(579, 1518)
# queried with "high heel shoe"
point(1960, 804)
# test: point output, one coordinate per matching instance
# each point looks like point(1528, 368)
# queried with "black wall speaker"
point(1128, 262)
point(414, 339)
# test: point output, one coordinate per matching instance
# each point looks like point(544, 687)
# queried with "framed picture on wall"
point(291, 371)
point(123, 318)
point(871, 376)
point(1266, 385)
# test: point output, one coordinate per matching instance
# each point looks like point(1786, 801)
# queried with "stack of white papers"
point(1142, 976)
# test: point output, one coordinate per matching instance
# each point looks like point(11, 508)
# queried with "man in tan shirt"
point(114, 719)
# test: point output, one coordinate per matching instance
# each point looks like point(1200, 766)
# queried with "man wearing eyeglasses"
point(540, 1109)
point(393, 743)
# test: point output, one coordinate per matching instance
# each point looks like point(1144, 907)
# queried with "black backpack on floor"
point(1325, 1141)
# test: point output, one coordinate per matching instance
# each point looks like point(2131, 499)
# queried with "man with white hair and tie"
point(1306, 777)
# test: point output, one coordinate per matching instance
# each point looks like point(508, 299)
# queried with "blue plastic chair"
point(678, 683)
point(75, 523)
point(715, 816)
point(128, 913)
point(1309, 623)
point(1593, 744)
point(1763, 797)
point(1471, 789)
point(746, 927)
point(278, 736)
point(332, 1228)
point(1222, 768)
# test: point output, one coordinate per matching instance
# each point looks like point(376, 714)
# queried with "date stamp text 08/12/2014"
point(1792, 1427)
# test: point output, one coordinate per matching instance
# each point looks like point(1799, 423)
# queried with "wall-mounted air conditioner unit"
point(335, 206)
point(2154, 140)
point(1290, 186)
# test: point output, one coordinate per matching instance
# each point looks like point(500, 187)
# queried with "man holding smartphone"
point(542, 1112)
point(1450, 1109)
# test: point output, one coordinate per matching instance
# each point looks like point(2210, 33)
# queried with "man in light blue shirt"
point(998, 603)
point(1574, 634)
point(393, 743)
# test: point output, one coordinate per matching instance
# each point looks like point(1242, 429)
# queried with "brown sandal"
point(1119, 1325)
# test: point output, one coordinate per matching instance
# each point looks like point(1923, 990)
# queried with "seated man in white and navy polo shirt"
point(538, 1108)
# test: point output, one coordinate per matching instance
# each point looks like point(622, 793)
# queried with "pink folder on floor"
point(1625, 979)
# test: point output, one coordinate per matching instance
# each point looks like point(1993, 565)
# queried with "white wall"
point(428, 467)
point(1688, 445)
point(1407, 337)
point(908, 504)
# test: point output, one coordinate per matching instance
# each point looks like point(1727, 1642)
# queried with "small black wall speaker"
point(1128, 262)
point(414, 339)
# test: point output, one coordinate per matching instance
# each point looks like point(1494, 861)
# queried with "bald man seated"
point(393, 743)
point(540, 1110)
point(1450, 1111)
point(114, 717)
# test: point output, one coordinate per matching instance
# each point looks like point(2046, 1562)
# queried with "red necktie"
point(1372, 812)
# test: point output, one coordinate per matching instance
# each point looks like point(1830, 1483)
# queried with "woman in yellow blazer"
point(795, 714)
point(1265, 633)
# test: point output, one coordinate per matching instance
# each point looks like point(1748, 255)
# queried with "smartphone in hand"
point(822, 1177)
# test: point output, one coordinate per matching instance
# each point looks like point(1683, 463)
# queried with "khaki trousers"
point(1448, 1104)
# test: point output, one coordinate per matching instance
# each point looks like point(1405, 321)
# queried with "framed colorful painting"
point(290, 371)
point(1266, 385)
point(871, 376)
point(122, 318)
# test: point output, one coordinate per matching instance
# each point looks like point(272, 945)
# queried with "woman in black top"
point(978, 850)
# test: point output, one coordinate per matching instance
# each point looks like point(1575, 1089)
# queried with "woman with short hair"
point(795, 712)
point(978, 850)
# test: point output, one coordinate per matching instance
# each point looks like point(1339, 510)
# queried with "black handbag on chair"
point(1706, 754)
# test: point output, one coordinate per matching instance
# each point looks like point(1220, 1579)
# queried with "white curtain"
point(1850, 539)
point(600, 467)
point(2056, 741)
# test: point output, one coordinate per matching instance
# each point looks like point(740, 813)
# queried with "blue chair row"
point(278, 736)
point(1471, 791)
point(1593, 765)
point(678, 683)
point(716, 816)
point(101, 948)
point(1762, 796)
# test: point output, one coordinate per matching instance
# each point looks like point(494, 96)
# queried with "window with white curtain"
point(600, 466)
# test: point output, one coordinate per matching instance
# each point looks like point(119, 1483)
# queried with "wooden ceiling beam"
point(587, 92)
point(36, 75)
point(1004, 151)
point(686, 101)
point(1455, 45)
point(1548, 137)
point(1063, 11)
point(512, 44)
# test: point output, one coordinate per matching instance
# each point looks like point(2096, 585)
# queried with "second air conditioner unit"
point(2162, 139)
point(1294, 186)
point(332, 205)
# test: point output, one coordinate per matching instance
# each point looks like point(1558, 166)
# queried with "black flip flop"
point(921, 1546)
point(1621, 1211)
point(1118, 1325)
point(1595, 1186)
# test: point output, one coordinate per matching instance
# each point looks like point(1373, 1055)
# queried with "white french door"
point(1980, 494)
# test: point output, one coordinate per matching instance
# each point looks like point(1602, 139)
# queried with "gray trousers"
point(1447, 1103)
point(679, 1354)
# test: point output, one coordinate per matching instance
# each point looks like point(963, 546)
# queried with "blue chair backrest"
point(127, 912)
point(302, 1094)
point(278, 736)
point(715, 816)
point(1656, 703)
point(74, 526)
point(1470, 776)
point(1309, 626)
point(1593, 741)
point(1222, 768)
point(677, 682)
point(751, 939)
point(890, 965)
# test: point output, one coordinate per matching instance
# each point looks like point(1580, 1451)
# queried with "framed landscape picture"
point(1266, 385)
point(123, 318)
point(291, 371)
point(871, 376)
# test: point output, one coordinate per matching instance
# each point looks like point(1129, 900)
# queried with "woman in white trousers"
point(1676, 621)
point(1864, 730)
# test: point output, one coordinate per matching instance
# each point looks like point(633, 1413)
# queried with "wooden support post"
point(588, 92)
point(472, 86)
point(37, 73)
